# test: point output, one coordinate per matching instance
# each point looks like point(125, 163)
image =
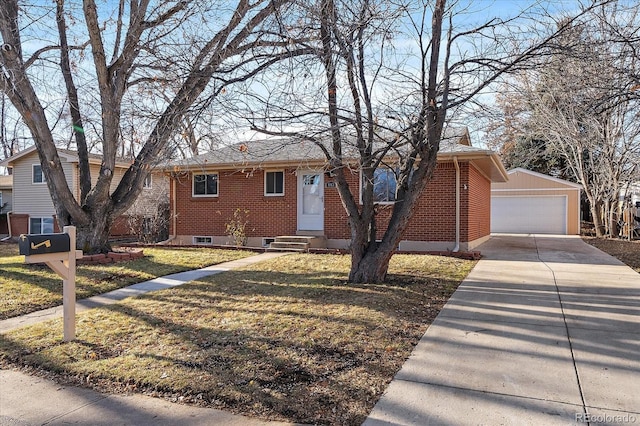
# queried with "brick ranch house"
point(282, 188)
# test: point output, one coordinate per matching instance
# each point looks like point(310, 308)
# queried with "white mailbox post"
point(59, 252)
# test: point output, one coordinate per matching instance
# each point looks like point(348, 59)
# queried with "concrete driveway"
point(544, 330)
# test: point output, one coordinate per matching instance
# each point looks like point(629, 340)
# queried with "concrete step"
point(289, 245)
point(293, 239)
point(292, 250)
point(313, 241)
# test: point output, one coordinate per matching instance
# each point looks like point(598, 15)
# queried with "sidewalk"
point(30, 400)
point(543, 331)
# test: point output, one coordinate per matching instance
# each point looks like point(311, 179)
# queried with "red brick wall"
point(433, 220)
point(19, 224)
point(267, 216)
point(3, 224)
point(479, 205)
point(336, 225)
point(120, 227)
point(434, 217)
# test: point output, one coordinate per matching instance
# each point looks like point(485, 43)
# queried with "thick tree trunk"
point(93, 237)
point(370, 267)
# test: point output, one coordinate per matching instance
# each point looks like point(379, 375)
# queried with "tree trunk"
point(93, 237)
point(370, 267)
point(612, 218)
point(596, 216)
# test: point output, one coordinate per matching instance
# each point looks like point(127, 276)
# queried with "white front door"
point(310, 201)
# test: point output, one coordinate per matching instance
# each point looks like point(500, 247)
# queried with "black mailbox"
point(31, 244)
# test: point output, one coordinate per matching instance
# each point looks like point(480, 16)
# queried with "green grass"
point(27, 288)
point(285, 339)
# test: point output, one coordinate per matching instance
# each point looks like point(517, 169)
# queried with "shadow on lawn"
point(249, 371)
point(302, 347)
point(91, 280)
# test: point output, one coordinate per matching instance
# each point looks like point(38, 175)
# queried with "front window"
point(384, 185)
point(38, 176)
point(205, 185)
point(274, 183)
point(41, 225)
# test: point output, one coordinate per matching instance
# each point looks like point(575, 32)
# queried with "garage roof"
point(525, 179)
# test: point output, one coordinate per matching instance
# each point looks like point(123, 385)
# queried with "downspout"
point(457, 246)
point(8, 225)
point(173, 215)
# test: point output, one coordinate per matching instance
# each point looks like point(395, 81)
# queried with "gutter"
point(457, 246)
point(8, 226)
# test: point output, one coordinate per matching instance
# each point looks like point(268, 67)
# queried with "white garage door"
point(529, 215)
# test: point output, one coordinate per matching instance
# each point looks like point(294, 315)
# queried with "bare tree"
point(583, 104)
point(142, 50)
point(370, 103)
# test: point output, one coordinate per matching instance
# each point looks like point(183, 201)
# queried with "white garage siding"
point(529, 214)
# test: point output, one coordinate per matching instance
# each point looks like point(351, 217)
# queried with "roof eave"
point(8, 162)
point(248, 164)
point(547, 177)
point(489, 161)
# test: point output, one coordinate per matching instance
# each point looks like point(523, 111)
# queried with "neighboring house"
point(32, 209)
point(6, 190)
point(535, 203)
point(630, 193)
point(285, 189)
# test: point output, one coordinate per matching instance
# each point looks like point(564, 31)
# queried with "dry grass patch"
point(27, 288)
point(285, 339)
point(628, 252)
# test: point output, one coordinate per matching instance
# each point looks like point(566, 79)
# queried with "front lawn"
point(27, 288)
point(285, 339)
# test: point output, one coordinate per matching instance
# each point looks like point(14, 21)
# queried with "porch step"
point(288, 246)
point(300, 243)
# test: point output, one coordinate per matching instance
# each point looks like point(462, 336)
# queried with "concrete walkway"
point(31, 400)
point(543, 331)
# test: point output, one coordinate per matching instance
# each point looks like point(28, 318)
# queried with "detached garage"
point(534, 203)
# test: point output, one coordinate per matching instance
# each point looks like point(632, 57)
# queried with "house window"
point(205, 185)
point(267, 241)
point(274, 183)
point(202, 241)
point(38, 176)
point(384, 185)
point(147, 182)
point(1, 206)
point(41, 225)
